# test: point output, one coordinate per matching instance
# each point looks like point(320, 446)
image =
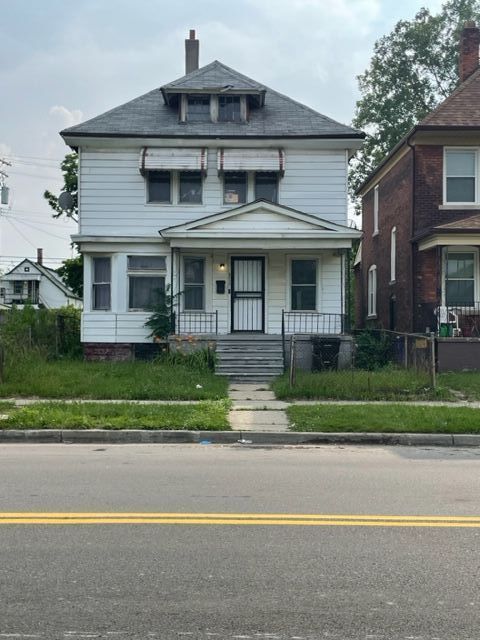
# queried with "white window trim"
point(375, 210)
point(372, 292)
point(174, 191)
point(476, 269)
point(457, 204)
point(93, 283)
point(318, 297)
point(162, 273)
point(206, 282)
point(393, 255)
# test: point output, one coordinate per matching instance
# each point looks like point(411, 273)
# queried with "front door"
point(248, 294)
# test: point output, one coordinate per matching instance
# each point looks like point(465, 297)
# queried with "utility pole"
point(4, 190)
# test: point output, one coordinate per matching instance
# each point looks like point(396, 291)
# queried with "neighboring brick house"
point(419, 267)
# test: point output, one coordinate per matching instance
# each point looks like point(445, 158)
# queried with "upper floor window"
point(229, 109)
point(372, 291)
point(159, 186)
point(460, 175)
point(198, 109)
point(174, 187)
point(190, 187)
point(266, 185)
point(375, 210)
point(393, 254)
point(235, 187)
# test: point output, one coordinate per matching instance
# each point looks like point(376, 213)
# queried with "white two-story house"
point(231, 193)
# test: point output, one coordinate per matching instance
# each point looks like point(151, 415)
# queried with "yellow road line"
point(285, 519)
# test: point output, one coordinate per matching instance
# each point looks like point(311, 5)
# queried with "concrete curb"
point(141, 436)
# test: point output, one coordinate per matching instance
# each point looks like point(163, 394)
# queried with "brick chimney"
point(40, 256)
point(469, 50)
point(192, 48)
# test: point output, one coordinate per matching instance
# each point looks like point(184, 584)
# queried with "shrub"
point(373, 350)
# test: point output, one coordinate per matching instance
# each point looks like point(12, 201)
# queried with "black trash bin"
point(325, 353)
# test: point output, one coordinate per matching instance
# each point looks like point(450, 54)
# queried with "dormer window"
point(198, 108)
point(229, 109)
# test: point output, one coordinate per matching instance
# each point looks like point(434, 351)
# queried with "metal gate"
point(248, 294)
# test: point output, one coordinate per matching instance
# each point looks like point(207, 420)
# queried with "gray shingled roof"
point(214, 75)
point(149, 116)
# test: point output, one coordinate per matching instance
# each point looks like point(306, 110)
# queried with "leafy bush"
point(196, 359)
point(373, 350)
point(48, 333)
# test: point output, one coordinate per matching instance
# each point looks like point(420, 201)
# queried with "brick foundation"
point(108, 351)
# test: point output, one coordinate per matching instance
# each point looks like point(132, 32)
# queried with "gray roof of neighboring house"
point(149, 116)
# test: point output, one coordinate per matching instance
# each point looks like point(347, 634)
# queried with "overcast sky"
point(64, 61)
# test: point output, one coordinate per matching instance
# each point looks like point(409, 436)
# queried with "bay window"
point(146, 281)
point(304, 285)
point(101, 283)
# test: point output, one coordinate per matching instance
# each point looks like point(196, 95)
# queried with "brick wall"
point(116, 352)
point(394, 210)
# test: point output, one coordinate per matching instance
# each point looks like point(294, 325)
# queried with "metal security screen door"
point(248, 294)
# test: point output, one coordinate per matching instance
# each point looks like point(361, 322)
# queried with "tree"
point(412, 69)
point(71, 273)
point(69, 169)
point(71, 270)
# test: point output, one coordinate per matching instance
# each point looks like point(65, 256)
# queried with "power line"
point(33, 226)
point(21, 234)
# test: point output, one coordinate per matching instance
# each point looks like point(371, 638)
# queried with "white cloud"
point(67, 116)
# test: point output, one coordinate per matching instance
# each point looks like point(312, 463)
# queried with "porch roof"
point(261, 225)
point(459, 232)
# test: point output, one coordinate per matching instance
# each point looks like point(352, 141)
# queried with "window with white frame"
point(235, 187)
point(460, 267)
point(375, 210)
point(146, 281)
point(194, 284)
point(372, 291)
point(266, 185)
point(304, 285)
point(460, 176)
point(101, 283)
point(174, 187)
point(393, 254)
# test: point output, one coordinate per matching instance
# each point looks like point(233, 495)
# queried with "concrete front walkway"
point(254, 408)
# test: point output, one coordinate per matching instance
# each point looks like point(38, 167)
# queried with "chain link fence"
point(370, 350)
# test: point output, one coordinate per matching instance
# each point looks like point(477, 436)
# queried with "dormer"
point(214, 93)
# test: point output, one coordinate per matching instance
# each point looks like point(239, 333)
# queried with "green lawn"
point(466, 383)
point(391, 418)
point(386, 384)
point(207, 415)
point(110, 380)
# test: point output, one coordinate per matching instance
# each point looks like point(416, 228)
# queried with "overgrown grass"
point(110, 380)
point(467, 383)
point(392, 418)
point(385, 384)
point(208, 415)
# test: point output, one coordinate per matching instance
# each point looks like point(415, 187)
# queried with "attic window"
point(229, 109)
point(198, 109)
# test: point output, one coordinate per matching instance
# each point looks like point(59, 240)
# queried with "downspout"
point(412, 233)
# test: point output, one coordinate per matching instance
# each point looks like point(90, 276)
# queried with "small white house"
point(33, 283)
point(228, 191)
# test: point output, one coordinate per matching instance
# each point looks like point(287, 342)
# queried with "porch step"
point(250, 360)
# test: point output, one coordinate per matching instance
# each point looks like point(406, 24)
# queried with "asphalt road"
point(338, 581)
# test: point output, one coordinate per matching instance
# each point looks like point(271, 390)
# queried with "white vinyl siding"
point(114, 200)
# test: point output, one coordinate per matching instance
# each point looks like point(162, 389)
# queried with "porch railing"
point(313, 322)
point(461, 320)
point(194, 322)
